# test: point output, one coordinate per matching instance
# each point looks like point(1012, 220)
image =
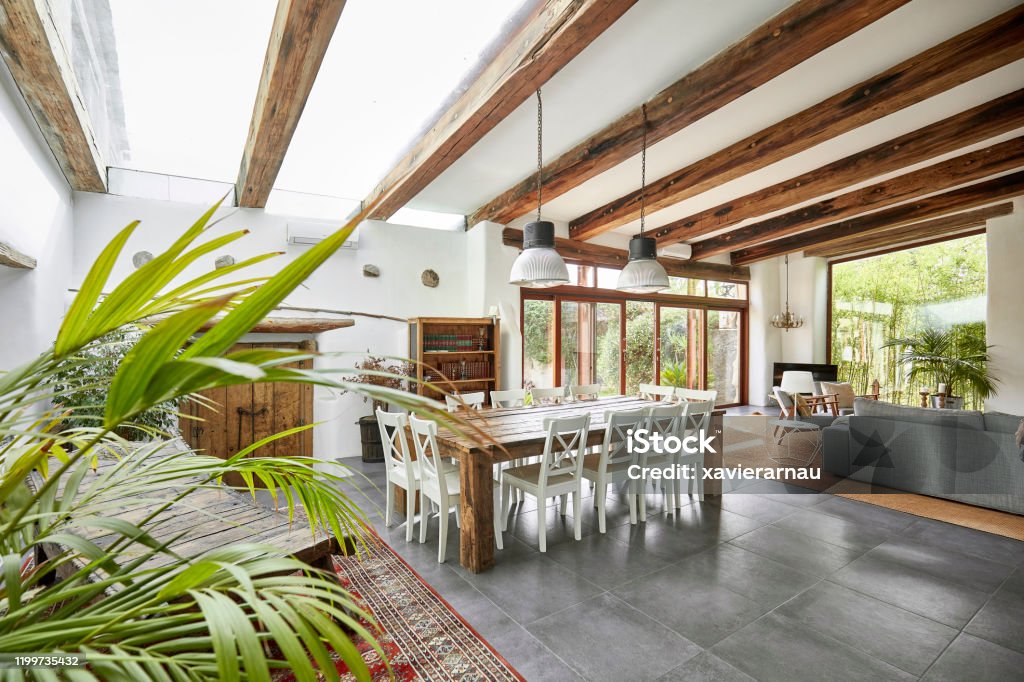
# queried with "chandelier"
point(787, 320)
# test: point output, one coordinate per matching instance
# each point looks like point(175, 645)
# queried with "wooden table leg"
point(476, 546)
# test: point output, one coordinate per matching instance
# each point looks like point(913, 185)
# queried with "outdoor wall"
point(36, 219)
point(401, 253)
point(1005, 325)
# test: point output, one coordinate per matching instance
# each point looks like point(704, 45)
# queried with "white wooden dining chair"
point(585, 391)
point(610, 464)
point(656, 392)
point(665, 420)
point(694, 421)
point(548, 396)
point(440, 485)
point(513, 397)
point(465, 401)
point(695, 395)
point(558, 474)
point(399, 468)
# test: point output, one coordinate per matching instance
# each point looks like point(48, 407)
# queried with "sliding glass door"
point(724, 356)
point(681, 356)
point(591, 333)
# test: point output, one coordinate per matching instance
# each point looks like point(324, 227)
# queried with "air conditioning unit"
point(683, 251)
point(308, 233)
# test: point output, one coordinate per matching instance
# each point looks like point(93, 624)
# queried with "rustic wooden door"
point(232, 418)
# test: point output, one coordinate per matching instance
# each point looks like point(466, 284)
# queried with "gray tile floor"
point(766, 585)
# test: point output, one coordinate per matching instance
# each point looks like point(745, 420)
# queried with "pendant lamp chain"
point(643, 172)
point(787, 282)
point(540, 162)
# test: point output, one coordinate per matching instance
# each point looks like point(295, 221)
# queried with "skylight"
point(189, 74)
point(389, 68)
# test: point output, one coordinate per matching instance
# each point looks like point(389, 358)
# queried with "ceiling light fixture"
point(539, 265)
point(643, 273)
point(787, 320)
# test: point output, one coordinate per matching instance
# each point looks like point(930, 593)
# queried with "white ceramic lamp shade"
point(539, 265)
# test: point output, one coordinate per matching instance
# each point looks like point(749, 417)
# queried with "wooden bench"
point(205, 519)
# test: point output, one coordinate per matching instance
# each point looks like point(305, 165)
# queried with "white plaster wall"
point(1005, 329)
point(765, 340)
point(35, 218)
point(401, 252)
point(808, 296)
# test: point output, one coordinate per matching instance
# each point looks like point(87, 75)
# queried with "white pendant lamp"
point(643, 273)
point(539, 265)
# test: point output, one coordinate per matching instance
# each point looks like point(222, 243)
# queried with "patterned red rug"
point(423, 637)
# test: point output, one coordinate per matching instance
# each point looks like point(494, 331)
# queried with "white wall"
point(401, 253)
point(35, 218)
point(1005, 327)
point(808, 296)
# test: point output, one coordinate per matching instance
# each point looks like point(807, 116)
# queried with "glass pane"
point(538, 343)
point(685, 286)
point(681, 352)
point(639, 345)
point(360, 118)
point(189, 84)
point(724, 355)
point(607, 278)
point(727, 290)
point(940, 288)
point(590, 345)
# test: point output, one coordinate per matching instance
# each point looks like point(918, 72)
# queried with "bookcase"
point(457, 354)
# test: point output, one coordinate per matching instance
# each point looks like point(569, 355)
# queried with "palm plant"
point(954, 357)
point(241, 611)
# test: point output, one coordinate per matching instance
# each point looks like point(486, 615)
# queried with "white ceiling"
point(657, 42)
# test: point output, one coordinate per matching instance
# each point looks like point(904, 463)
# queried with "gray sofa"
point(961, 455)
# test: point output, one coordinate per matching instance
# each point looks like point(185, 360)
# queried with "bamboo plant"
point(239, 612)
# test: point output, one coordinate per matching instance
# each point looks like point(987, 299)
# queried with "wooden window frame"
point(582, 294)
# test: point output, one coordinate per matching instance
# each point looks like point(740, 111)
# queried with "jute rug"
point(746, 445)
point(423, 637)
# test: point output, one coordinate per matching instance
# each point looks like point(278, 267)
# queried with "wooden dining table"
point(515, 433)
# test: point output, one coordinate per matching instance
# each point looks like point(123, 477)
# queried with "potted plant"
point(382, 373)
point(957, 358)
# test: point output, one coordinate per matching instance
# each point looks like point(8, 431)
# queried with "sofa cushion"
point(965, 419)
point(843, 392)
point(1001, 422)
point(803, 409)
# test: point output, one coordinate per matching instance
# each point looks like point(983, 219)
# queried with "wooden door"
point(230, 419)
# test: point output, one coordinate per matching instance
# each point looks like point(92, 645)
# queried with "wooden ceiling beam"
point(973, 53)
point(956, 132)
point(790, 37)
point(925, 229)
point(948, 174)
point(554, 34)
point(903, 245)
point(299, 38)
point(972, 196)
point(41, 67)
point(607, 256)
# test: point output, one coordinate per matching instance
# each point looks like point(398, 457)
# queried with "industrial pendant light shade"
point(643, 273)
point(539, 265)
